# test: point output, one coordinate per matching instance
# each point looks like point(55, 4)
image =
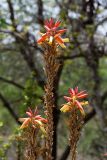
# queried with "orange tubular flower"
point(34, 120)
point(73, 100)
point(53, 34)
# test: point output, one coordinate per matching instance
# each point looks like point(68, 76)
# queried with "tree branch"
point(30, 61)
point(100, 23)
point(40, 16)
point(104, 96)
point(11, 82)
point(71, 57)
point(8, 107)
point(13, 33)
point(12, 17)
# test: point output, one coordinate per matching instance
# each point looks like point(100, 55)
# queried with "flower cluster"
point(34, 120)
point(74, 100)
point(53, 34)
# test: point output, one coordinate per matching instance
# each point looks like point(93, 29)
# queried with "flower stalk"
point(75, 125)
point(74, 106)
point(51, 69)
point(33, 127)
point(50, 42)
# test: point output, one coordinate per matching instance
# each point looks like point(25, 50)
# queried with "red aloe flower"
point(52, 33)
point(34, 120)
point(73, 100)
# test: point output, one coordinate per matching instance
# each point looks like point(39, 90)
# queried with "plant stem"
point(75, 124)
point(51, 69)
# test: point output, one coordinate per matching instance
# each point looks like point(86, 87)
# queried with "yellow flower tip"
point(43, 130)
point(23, 126)
point(50, 40)
point(65, 39)
point(65, 108)
point(84, 103)
point(62, 45)
point(25, 123)
point(82, 112)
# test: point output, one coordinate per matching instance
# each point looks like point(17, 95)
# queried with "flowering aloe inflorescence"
point(33, 126)
point(50, 40)
point(34, 120)
point(75, 103)
point(74, 100)
point(53, 33)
